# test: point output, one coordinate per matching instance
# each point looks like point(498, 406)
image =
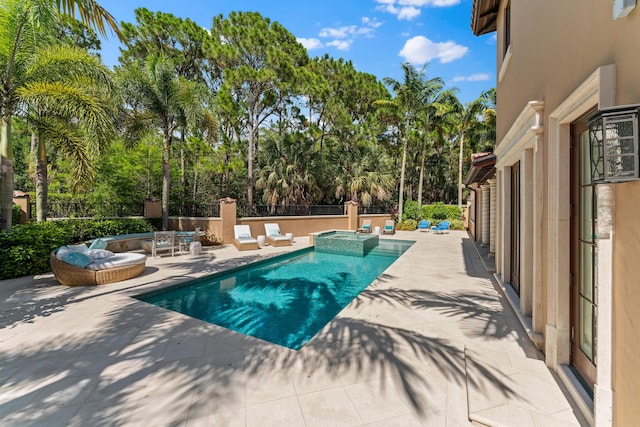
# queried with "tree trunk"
point(402, 172)
point(250, 156)
point(6, 174)
point(41, 177)
point(460, 171)
point(183, 178)
point(195, 185)
point(166, 153)
point(420, 181)
point(422, 160)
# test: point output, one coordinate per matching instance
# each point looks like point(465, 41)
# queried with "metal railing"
point(196, 210)
point(365, 210)
point(290, 210)
point(81, 209)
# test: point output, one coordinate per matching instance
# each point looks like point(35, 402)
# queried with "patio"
point(431, 342)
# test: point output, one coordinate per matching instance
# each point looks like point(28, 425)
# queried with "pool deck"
point(431, 342)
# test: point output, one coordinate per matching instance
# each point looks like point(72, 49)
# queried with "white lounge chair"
point(243, 240)
point(274, 237)
point(389, 227)
point(365, 227)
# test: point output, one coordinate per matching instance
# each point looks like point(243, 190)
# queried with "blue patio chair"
point(441, 228)
point(424, 225)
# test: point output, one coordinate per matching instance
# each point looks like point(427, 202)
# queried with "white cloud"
point(423, 3)
point(340, 44)
point(420, 50)
point(310, 44)
point(477, 77)
point(371, 23)
point(410, 9)
point(344, 36)
point(408, 13)
point(338, 33)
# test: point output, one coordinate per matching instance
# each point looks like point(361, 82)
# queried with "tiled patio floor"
point(431, 342)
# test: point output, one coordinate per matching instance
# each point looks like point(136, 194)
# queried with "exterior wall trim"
point(521, 134)
point(505, 64)
point(597, 89)
point(524, 142)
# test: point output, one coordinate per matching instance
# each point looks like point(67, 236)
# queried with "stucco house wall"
point(567, 58)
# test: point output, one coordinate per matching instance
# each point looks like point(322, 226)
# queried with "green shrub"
point(25, 251)
point(411, 210)
point(88, 229)
point(409, 224)
point(457, 224)
point(439, 211)
point(16, 212)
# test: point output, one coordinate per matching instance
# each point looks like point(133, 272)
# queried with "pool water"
point(286, 300)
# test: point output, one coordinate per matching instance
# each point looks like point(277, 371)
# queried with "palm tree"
point(407, 103)
point(159, 99)
point(67, 91)
point(365, 177)
point(467, 117)
point(290, 174)
point(437, 105)
point(24, 26)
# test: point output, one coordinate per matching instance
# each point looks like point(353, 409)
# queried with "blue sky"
point(377, 36)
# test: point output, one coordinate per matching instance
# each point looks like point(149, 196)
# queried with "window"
point(507, 28)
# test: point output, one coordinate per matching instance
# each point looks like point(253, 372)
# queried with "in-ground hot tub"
point(345, 242)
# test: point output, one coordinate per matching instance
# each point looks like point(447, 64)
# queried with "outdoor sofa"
point(79, 265)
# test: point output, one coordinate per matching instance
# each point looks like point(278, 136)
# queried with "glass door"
point(515, 227)
point(584, 256)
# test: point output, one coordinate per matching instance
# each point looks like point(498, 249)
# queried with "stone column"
point(153, 209)
point(351, 208)
point(23, 201)
point(526, 231)
point(492, 217)
point(485, 215)
point(228, 219)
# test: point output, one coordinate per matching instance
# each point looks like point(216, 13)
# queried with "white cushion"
point(81, 247)
point(117, 260)
point(246, 240)
point(279, 238)
point(99, 253)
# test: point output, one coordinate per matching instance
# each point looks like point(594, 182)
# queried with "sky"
point(377, 36)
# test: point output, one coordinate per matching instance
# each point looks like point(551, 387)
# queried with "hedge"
point(441, 212)
point(25, 250)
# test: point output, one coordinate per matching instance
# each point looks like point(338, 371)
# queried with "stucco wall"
point(302, 226)
point(626, 304)
point(556, 45)
point(299, 226)
point(209, 226)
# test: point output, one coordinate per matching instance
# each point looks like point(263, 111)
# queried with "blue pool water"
point(286, 300)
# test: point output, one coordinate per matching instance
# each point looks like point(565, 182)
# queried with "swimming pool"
point(285, 300)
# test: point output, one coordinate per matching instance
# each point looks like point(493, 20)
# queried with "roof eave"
point(484, 16)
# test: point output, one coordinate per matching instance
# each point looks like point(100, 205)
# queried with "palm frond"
point(91, 14)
